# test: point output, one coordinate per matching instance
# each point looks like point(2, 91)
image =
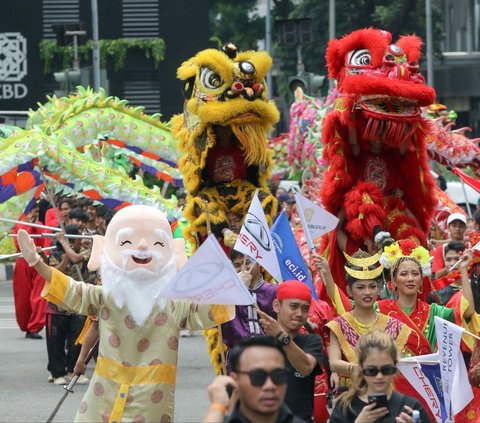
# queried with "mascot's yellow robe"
point(134, 379)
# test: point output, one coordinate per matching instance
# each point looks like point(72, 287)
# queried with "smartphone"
point(380, 400)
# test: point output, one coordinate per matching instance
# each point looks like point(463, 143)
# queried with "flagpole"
point(33, 225)
point(308, 236)
point(219, 327)
point(45, 235)
point(471, 334)
point(7, 256)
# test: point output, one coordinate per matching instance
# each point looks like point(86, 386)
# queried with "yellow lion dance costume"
point(222, 135)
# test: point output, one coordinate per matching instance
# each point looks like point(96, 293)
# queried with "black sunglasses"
point(258, 377)
point(374, 371)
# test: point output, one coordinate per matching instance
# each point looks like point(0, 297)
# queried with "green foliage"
point(236, 22)
point(115, 50)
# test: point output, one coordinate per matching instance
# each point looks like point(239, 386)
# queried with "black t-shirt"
point(300, 388)
point(395, 405)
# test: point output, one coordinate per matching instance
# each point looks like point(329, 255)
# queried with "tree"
point(396, 16)
point(237, 22)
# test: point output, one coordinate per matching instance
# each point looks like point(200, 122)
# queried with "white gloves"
point(28, 248)
point(245, 277)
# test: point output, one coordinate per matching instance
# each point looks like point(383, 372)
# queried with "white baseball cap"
point(456, 216)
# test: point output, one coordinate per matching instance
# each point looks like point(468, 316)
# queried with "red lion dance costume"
point(378, 174)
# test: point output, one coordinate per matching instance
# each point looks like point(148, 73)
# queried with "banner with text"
point(255, 240)
point(423, 373)
point(289, 256)
point(451, 361)
point(318, 220)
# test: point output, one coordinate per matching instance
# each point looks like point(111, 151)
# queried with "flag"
point(473, 182)
point(208, 277)
point(452, 365)
point(255, 240)
point(315, 219)
point(289, 256)
point(425, 376)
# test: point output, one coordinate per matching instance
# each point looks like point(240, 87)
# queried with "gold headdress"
point(364, 263)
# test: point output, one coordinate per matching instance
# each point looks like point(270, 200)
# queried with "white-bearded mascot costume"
point(134, 379)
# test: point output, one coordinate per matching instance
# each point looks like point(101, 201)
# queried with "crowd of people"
point(289, 357)
point(70, 255)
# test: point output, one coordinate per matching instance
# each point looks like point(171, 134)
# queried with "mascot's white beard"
point(136, 289)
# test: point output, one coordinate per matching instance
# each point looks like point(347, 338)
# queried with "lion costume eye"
point(359, 57)
point(210, 79)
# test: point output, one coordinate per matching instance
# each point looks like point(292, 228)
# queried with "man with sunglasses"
point(304, 350)
point(259, 379)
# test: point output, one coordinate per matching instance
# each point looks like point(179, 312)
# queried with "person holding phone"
point(370, 397)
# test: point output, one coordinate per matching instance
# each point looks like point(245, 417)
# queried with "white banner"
point(255, 240)
point(411, 369)
point(318, 220)
point(208, 277)
point(449, 336)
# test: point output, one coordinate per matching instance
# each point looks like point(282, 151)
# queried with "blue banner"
point(433, 374)
point(289, 256)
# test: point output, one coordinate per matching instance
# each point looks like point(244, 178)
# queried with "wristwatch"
point(285, 340)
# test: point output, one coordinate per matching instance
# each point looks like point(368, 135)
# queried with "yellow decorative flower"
point(421, 254)
point(393, 252)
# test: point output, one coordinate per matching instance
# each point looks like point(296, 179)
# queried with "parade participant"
point(246, 321)
point(375, 144)
point(226, 95)
point(457, 225)
point(304, 351)
point(63, 327)
point(448, 285)
point(408, 263)
point(30, 307)
point(377, 360)
point(319, 315)
point(259, 379)
point(134, 377)
point(364, 275)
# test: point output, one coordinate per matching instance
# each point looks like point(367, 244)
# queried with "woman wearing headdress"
point(408, 263)
point(364, 275)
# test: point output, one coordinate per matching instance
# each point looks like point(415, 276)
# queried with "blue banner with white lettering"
point(289, 256)
point(432, 372)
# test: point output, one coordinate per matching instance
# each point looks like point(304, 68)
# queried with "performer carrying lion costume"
point(378, 175)
point(223, 135)
point(134, 379)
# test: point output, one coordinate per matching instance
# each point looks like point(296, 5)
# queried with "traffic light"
point(309, 82)
point(69, 79)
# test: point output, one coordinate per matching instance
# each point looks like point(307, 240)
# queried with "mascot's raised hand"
point(28, 248)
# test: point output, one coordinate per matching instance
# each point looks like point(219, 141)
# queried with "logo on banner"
point(308, 213)
point(13, 65)
point(255, 228)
